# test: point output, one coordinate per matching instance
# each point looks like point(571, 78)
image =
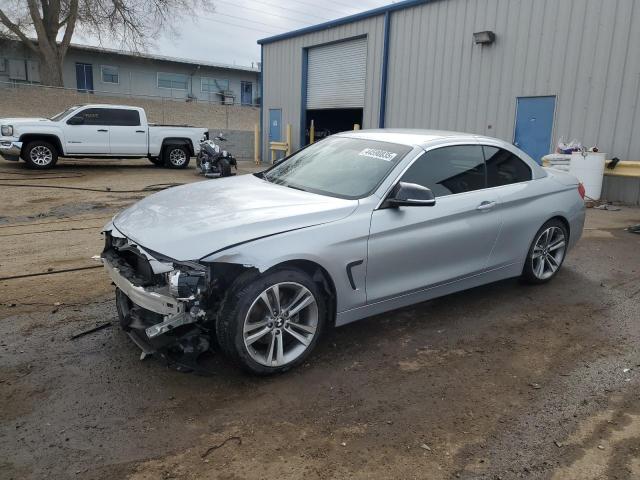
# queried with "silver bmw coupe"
point(357, 224)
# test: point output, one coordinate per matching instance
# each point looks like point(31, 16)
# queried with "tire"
point(247, 333)
point(176, 156)
point(225, 168)
point(40, 155)
point(157, 161)
point(546, 253)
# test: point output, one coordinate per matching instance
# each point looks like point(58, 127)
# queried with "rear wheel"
point(546, 253)
point(176, 156)
point(40, 155)
point(273, 323)
point(225, 168)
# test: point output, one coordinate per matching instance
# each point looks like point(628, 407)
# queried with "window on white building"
point(176, 81)
point(110, 74)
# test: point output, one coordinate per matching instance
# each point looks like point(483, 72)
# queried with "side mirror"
point(77, 120)
point(410, 195)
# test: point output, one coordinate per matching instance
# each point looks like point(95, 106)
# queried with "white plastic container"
point(589, 169)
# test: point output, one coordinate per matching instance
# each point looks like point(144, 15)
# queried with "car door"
point(510, 178)
point(411, 248)
point(87, 132)
point(127, 137)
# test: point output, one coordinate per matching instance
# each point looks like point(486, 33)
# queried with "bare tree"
point(134, 24)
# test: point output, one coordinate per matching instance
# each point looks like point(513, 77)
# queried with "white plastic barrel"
point(589, 169)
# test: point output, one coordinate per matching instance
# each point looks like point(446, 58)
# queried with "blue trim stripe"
point(341, 21)
point(303, 97)
point(261, 133)
point(385, 68)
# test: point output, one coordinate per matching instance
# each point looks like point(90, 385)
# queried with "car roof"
point(417, 137)
point(427, 139)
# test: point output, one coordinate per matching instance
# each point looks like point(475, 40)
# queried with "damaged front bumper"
point(172, 309)
point(159, 305)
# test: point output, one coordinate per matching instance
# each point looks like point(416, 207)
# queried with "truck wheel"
point(176, 156)
point(40, 155)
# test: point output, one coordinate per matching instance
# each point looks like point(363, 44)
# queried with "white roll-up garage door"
point(336, 75)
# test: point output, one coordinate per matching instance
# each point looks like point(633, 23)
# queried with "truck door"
point(127, 136)
point(87, 132)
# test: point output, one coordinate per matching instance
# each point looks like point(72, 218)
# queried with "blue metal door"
point(84, 77)
point(246, 93)
point(534, 125)
point(275, 125)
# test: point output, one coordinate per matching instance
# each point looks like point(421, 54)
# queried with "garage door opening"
point(336, 77)
point(330, 121)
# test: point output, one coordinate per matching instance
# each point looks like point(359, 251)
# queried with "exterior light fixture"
point(484, 38)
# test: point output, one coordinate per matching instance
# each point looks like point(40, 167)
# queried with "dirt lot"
point(504, 381)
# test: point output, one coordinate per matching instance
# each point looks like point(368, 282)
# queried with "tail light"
point(581, 190)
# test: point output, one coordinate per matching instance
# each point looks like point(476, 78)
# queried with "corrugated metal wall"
point(282, 73)
point(586, 52)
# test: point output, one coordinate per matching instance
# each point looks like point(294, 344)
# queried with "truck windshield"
point(339, 167)
point(61, 115)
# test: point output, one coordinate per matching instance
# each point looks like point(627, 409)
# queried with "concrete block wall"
point(237, 122)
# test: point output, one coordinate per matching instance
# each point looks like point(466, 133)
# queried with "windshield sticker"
point(379, 154)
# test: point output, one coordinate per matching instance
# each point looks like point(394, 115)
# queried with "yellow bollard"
point(356, 126)
point(288, 139)
point(256, 144)
point(312, 132)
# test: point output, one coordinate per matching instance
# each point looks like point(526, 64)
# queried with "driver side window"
point(90, 116)
point(449, 170)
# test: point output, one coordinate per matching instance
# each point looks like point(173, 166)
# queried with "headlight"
point(7, 130)
point(184, 284)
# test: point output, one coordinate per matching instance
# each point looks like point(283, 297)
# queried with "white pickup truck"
point(98, 131)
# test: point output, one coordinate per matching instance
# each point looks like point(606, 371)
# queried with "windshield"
point(61, 115)
point(339, 166)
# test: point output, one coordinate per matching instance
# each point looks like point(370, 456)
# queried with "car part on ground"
point(356, 225)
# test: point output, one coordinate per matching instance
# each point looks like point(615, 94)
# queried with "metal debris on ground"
point(606, 206)
point(215, 447)
point(91, 330)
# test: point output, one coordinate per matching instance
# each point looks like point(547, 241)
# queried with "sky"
point(229, 33)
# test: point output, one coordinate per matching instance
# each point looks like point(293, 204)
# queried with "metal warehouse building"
point(526, 71)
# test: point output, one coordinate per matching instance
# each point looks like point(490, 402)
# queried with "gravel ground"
point(502, 381)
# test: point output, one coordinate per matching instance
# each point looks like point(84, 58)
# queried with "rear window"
point(504, 167)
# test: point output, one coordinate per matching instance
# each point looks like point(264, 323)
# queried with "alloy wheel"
point(280, 324)
point(177, 157)
point(548, 252)
point(41, 155)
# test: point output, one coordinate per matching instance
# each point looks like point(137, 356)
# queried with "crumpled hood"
point(192, 221)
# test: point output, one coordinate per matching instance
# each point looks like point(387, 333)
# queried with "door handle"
point(486, 205)
point(103, 130)
point(139, 131)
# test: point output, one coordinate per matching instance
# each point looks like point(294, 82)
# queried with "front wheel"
point(40, 155)
point(546, 253)
point(273, 323)
point(176, 156)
